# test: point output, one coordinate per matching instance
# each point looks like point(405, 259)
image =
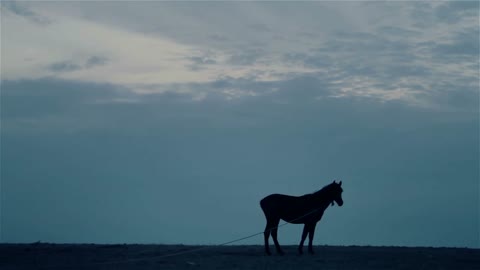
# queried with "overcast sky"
point(164, 122)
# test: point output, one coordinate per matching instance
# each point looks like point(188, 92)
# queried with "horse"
point(307, 209)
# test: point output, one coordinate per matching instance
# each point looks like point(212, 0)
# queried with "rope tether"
point(181, 252)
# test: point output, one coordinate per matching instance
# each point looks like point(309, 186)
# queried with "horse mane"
point(322, 191)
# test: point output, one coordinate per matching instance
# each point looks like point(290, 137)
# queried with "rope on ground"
point(181, 252)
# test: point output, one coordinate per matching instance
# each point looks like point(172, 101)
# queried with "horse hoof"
point(268, 253)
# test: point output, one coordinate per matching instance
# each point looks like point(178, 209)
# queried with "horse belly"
point(302, 217)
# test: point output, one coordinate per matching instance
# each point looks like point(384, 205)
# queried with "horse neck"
point(322, 198)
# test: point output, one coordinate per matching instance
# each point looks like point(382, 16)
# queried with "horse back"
point(289, 208)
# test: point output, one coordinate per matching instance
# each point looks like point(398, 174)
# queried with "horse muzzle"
point(339, 202)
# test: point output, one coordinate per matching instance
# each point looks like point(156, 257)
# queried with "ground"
point(87, 256)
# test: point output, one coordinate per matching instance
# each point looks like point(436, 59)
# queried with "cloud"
point(398, 32)
point(455, 11)
point(97, 42)
point(386, 56)
point(19, 9)
point(70, 66)
point(247, 56)
point(218, 38)
point(260, 27)
point(96, 61)
point(202, 61)
point(64, 66)
point(422, 15)
point(463, 43)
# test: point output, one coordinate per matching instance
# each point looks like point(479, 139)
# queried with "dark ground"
point(87, 256)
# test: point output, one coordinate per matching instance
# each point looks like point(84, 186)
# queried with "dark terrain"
point(89, 256)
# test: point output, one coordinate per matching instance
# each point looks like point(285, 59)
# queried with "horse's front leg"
point(304, 236)
point(311, 233)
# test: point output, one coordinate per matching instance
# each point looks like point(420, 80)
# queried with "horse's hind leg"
point(266, 235)
point(270, 224)
point(274, 236)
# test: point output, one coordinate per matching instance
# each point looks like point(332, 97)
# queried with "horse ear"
point(340, 183)
point(334, 181)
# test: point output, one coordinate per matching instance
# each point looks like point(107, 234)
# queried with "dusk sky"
point(167, 122)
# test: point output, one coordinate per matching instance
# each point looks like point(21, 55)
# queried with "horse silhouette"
point(307, 209)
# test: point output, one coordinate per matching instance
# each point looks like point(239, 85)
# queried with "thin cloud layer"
point(384, 57)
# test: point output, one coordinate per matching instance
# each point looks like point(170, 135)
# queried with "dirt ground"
point(86, 256)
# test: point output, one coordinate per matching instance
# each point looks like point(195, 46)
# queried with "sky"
point(168, 122)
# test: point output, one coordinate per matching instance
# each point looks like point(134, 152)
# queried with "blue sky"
point(164, 122)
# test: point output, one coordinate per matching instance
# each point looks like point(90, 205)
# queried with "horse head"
point(336, 193)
